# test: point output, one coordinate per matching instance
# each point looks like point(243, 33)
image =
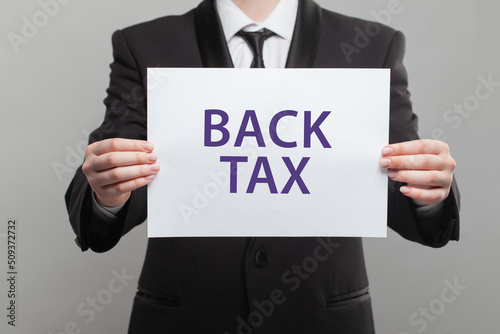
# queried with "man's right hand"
point(115, 167)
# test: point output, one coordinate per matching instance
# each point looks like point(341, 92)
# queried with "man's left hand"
point(425, 165)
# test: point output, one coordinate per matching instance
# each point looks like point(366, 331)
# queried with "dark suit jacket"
point(250, 285)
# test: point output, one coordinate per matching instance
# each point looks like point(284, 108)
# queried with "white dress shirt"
point(281, 21)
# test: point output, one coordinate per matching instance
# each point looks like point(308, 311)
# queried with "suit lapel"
point(305, 35)
point(211, 41)
point(213, 47)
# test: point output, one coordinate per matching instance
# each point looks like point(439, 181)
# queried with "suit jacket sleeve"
point(125, 118)
point(402, 215)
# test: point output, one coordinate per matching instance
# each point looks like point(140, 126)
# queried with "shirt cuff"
point(105, 212)
point(429, 210)
point(431, 216)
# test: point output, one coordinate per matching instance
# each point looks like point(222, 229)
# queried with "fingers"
point(117, 159)
point(115, 167)
point(422, 162)
point(425, 196)
point(421, 178)
point(120, 174)
point(423, 154)
point(414, 147)
point(110, 193)
point(425, 165)
point(120, 144)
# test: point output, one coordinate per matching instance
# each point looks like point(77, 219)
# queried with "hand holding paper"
point(425, 165)
point(115, 167)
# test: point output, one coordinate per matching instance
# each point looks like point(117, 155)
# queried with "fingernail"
point(152, 157)
point(392, 174)
point(385, 162)
point(387, 150)
point(148, 146)
point(405, 190)
point(150, 177)
point(154, 167)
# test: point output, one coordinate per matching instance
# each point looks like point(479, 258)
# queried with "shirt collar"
point(281, 20)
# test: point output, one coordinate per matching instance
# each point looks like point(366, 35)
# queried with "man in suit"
point(253, 285)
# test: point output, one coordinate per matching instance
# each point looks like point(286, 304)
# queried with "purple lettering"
point(295, 175)
point(262, 162)
point(274, 132)
point(209, 127)
point(233, 183)
point(309, 130)
point(252, 117)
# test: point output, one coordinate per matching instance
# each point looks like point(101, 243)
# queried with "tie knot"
point(255, 40)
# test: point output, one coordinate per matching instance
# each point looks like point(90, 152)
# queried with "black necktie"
point(255, 41)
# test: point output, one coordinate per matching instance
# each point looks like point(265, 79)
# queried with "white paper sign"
point(268, 152)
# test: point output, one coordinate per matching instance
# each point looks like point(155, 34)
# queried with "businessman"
point(253, 285)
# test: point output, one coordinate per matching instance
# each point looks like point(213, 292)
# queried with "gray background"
point(52, 92)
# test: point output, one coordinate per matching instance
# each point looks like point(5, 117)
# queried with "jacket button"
point(261, 259)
